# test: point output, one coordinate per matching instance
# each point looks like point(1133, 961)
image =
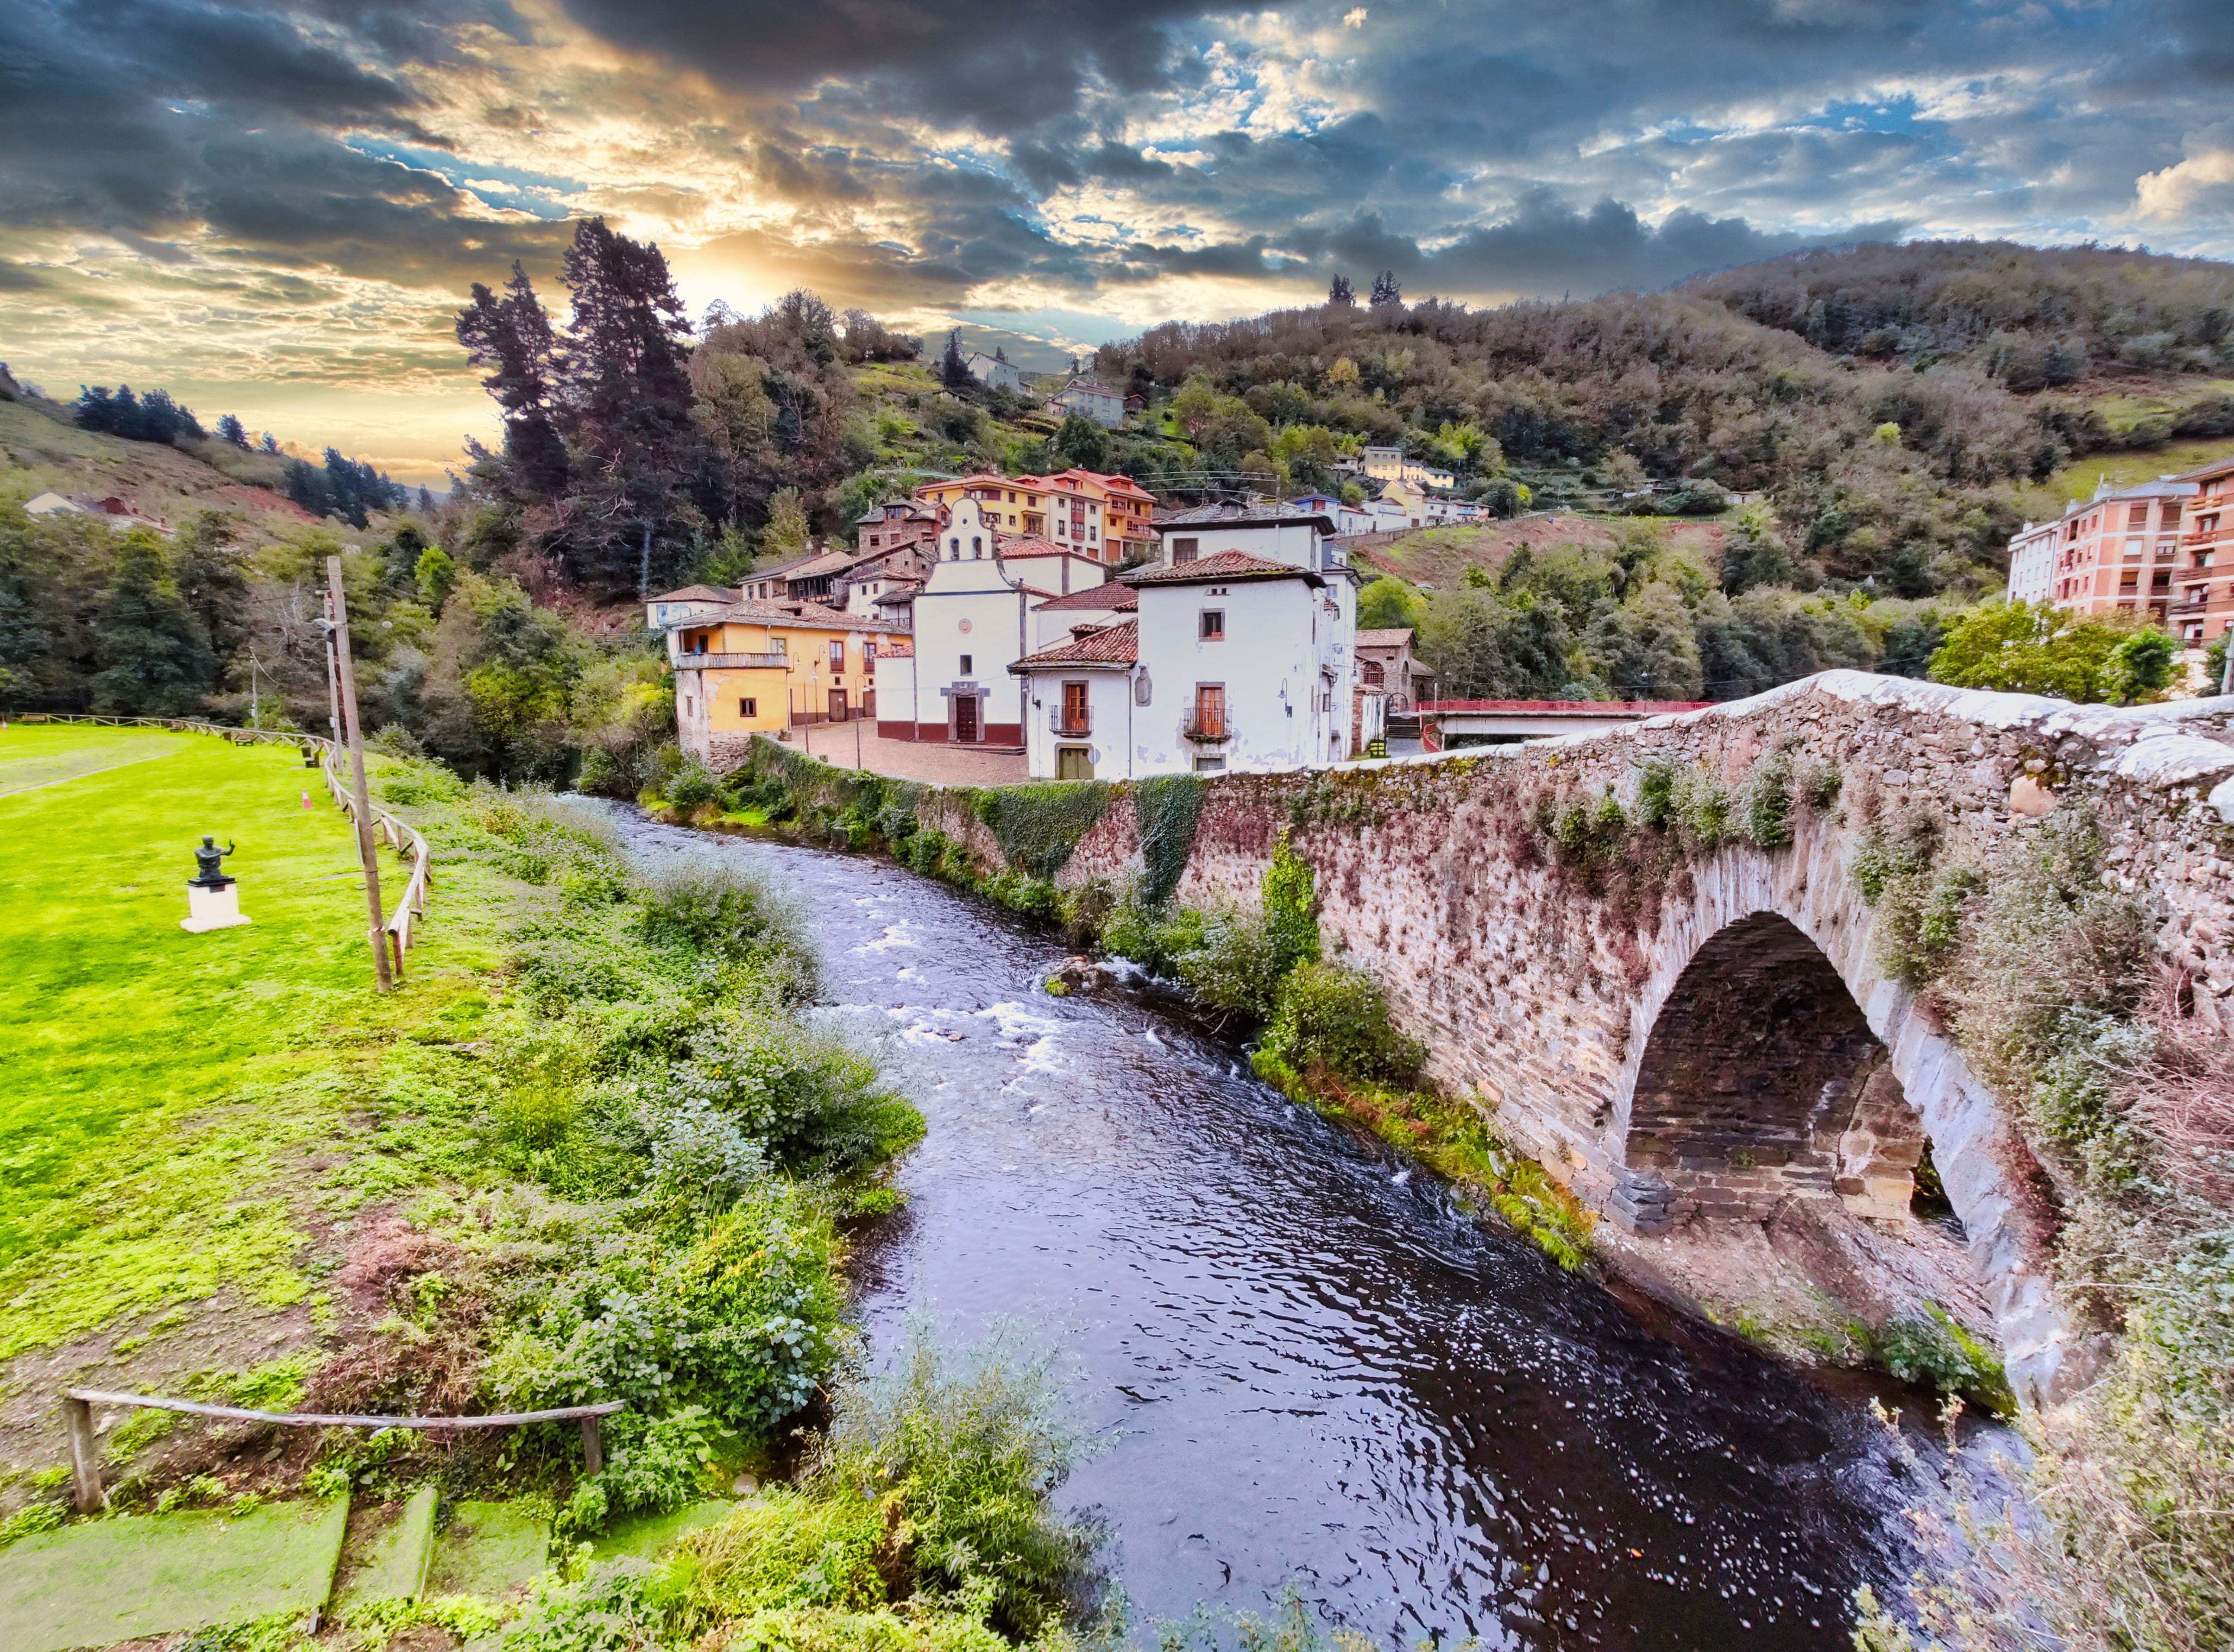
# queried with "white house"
point(1390, 465)
point(1080, 697)
point(1097, 401)
point(972, 619)
point(52, 504)
point(996, 372)
point(1240, 655)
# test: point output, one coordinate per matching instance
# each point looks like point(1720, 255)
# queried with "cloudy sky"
point(274, 208)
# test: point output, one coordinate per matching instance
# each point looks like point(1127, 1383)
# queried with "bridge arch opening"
point(1762, 1082)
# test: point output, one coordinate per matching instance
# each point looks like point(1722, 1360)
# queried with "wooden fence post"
point(346, 675)
point(85, 1455)
point(593, 1449)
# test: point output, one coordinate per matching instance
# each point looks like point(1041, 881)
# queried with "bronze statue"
point(211, 860)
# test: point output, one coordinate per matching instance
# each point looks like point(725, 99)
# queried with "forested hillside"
point(1875, 401)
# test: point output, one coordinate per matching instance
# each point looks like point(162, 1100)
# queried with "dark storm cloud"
point(148, 120)
point(999, 65)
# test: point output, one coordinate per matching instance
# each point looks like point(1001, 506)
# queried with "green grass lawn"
point(159, 1085)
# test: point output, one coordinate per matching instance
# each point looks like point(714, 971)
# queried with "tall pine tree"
point(512, 336)
point(628, 514)
point(154, 660)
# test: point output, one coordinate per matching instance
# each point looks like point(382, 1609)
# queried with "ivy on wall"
point(1039, 825)
point(1165, 810)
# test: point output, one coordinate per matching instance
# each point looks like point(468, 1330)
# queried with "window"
point(976, 546)
point(749, 707)
point(690, 707)
point(838, 654)
point(1074, 708)
point(965, 665)
point(954, 550)
point(777, 646)
point(1213, 624)
point(1209, 765)
point(1185, 549)
point(1373, 677)
point(2137, 517)
point(869, 643)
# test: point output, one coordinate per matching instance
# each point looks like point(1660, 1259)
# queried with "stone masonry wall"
point(1539, 992)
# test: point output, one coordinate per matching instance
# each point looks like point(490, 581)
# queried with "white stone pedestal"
point(212, 908)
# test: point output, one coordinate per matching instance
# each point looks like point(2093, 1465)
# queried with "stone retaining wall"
point(1539, 988)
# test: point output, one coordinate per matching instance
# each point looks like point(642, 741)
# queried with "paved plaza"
point(856, 745)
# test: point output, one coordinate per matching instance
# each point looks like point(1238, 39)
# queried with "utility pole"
point(345, 675)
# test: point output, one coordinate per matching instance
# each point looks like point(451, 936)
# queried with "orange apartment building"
point(1106, 517)
point(2203, 585)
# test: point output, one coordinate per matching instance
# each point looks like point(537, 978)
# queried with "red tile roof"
point(1110, 645)
point(1223, 566)
point(1096, 599)
point(1395, 637)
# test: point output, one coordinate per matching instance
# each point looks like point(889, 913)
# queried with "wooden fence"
point(85, 1446)
point(399, 835)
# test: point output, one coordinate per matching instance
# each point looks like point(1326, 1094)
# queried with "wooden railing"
point(399, 835)
point(85, 1449)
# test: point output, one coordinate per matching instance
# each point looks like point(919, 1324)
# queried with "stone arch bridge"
point(1705, 1043)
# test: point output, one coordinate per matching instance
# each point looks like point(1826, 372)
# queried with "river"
point(1318, 1370)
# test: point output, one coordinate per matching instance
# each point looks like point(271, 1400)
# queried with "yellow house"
point(753, 666)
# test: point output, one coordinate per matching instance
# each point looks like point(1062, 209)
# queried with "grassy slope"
point(1438, 557)
point(165, 1090)
point(37, 454)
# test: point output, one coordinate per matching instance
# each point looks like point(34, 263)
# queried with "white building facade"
point(2032, 563)
point(972, 619)
point(1240, 655)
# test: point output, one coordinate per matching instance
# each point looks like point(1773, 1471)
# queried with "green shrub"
point(816, 1102)
point(1921, 920)
point(737, 1319)
point(1765, 805)
point(1933, 1349)
point(654, 1464)
point(1291, 897)
point(692, 787)
point(1703, 808)
point(1039, 825)
point(719, 909)
point(1884, 853)
point(1657, 784)
point(618, 1606)
point(1336, 1018)
point(1235, 964)
point(969, 1449)
point(1152, 936)
point(786, 1548)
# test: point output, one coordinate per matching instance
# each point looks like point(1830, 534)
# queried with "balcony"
point(1207, 731)
point(730, 662)
point(1067, 727)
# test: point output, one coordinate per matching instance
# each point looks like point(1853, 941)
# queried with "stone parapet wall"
point(1559, 990)
point(1537, 988)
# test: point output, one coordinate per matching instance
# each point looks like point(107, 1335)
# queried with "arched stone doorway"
point(1761, 1081)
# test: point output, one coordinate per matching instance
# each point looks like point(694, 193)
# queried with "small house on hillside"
point(1385, 665)
point(1096, 401)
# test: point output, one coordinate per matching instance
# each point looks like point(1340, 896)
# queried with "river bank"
point(1810, 1282)
point(1448, 1395)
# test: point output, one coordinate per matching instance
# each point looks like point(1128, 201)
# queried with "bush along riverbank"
point(1320, 1029)
point(616, 1157)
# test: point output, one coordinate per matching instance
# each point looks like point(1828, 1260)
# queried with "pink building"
point(2117, 551)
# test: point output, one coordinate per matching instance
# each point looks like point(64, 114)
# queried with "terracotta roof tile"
point(1224, 566)
point(1094, 598)
point(1111, 645)
point(1395, 637)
